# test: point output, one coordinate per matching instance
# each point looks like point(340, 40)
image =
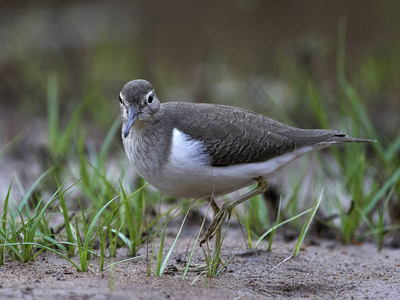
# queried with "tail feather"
point(342, 138)
point(320, 137)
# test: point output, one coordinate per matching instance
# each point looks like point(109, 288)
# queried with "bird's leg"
point(214, 206)
point(225, 211)
point(203, 268)
point(216, 210)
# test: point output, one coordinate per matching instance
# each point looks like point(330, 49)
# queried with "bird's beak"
point(132, 116)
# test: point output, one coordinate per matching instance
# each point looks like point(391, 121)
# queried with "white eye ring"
point(150, 98)
point(121, 98)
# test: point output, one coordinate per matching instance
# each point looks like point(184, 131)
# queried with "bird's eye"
point(150, 99)
point(120, 99)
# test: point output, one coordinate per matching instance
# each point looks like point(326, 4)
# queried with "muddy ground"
point(324, 269)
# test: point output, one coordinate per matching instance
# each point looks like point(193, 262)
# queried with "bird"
point(203, 150)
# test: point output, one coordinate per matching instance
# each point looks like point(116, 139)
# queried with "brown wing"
point(234, 135)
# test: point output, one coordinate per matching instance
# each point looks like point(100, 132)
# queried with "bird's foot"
point(217, 222)
point(204, 268)
point(200, 268)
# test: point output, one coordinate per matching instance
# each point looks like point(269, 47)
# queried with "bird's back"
point(233, 135)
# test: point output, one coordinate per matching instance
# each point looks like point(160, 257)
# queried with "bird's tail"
point(342, 138)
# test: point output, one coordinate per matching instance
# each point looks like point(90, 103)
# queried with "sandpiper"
point(193, 150)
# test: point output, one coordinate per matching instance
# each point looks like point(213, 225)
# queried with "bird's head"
point(138, 101)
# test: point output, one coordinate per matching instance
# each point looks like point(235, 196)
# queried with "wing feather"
point(233, 135)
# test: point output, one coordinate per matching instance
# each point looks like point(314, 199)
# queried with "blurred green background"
point(208, 51)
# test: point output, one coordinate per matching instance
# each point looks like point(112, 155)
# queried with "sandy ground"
point(324, 269)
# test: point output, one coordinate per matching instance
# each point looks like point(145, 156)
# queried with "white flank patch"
point(186, 152)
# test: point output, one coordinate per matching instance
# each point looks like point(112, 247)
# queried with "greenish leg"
point(202, 268)
point(216, 210)
point(220, 215)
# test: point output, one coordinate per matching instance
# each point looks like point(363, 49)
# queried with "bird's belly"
point(190, 180)
point(195, 182)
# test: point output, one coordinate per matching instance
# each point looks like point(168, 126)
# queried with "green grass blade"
point(193, 249)
point(70, 236)
point(52, 110)
point(280, 224)
point(164, 264)
point(48, 249)
point(320, 113)
point(307, 224)
point(25, 199)
point(93, 223)
point(123, 261)
point(278, 217)
point(161, 249)
point(39, 216)
point(393, 180)
point(5, 208)
point(247, 225)
point(109, 138)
